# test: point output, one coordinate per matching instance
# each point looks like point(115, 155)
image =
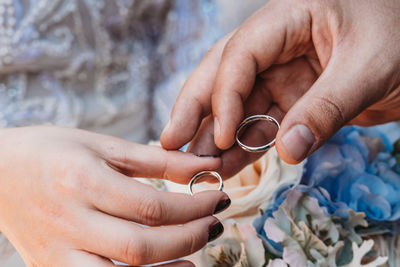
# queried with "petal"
point(273, 231)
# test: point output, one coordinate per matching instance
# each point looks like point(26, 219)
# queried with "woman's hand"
point(66, 199)
point(316, 64)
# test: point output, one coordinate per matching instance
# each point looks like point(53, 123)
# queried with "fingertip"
point(183, 124)
point(166, 139)
point(221, 141)
point(228, 113)
point(295, 144)
point(215, 230)
point(172, 138)
point(218, 201)
point(222, 205)
point(222, 137)
point(205, 229)
point(284, 154)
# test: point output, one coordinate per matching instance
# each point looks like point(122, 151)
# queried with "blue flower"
point(277, 200)
point(356, 170)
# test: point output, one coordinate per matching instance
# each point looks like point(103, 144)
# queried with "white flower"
point(238, 247)
point(360, 251)
point(310, 237)
point(277, 263)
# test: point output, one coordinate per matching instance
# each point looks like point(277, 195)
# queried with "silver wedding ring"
point(263, 148)
point(250, 120)
point(203, 174)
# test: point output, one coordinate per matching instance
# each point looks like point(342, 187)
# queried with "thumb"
point(342, 92)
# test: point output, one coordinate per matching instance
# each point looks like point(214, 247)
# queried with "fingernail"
point(217, 128)
point(222, 205)
point(298, 141)
point(215, 231)
point(207, 156)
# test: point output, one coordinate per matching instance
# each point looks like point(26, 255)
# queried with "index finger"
point(149, 161)
point(257, 44)
point(194, 101)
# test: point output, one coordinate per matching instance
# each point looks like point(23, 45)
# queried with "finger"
point(257, 103)
point(194, 101)
point(177, 264)
point(129, 199)
point(136, 160)
point(257, 134)
point(82, 258)
point(289, 82)
point(132, 244)
point(342, 92)
point(258, 43)
point(284, 83)
point(373, 117)
point(260, 133)
point(203, 143)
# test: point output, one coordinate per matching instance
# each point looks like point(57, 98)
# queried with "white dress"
point(95, 64)
point(110, 66)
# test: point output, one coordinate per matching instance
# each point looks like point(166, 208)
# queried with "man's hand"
point(314, 64)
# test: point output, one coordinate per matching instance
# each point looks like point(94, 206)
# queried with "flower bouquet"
point(341, 207)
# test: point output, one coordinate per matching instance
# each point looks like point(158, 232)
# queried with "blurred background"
point(110, 66)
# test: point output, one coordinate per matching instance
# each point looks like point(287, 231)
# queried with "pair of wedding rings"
point(252, 149)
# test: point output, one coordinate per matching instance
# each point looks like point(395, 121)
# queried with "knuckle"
point(75, 178)
point(327, 115)
point(70, 178)
point(191, 242)
point(151, 210)
point(115, 150)
point(111, 149)
point(332, 106)
point(135, 252)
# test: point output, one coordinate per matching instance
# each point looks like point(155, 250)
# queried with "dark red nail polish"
point(214, 231)
point(222, 205)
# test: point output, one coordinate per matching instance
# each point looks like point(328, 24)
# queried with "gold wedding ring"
point(249, 120)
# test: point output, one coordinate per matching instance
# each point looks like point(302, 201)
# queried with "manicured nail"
point(222, 205)
point(214, 231)
point(298, 141)
point(217, 128)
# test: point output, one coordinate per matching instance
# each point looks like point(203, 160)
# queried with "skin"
point(315, 65)
point(67, 199)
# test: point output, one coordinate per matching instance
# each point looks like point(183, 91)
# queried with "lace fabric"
point(91, 63)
